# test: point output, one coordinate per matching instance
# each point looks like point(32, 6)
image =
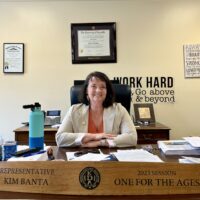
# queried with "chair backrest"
point(122, 95)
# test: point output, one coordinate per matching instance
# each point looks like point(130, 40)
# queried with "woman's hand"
point(91, 144)
point(94, 140)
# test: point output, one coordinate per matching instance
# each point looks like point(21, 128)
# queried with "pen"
point(35, 153)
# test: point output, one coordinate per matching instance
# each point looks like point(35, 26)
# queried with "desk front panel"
point(105, 180)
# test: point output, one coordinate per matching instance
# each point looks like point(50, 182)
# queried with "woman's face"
point(96, 91)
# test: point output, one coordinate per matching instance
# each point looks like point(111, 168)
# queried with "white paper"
point(86, 157)
point(185, 161)
point(93, 43)
point(194, 141)
point(136, 155)
point(192, 159)
point(36, 157)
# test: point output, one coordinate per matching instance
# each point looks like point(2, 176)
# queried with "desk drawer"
point(22, 138)
point(152, 137)
point(49, 135)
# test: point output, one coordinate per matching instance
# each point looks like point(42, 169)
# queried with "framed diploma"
point(144, 113)
point(93, 43)
point(13, 58)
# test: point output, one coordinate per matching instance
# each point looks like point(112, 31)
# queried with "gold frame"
point(144, 113)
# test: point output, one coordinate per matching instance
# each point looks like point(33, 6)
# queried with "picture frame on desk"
point(13, 57)
point(93, 43)
point(144, 113)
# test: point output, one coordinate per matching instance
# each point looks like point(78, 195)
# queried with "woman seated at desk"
point(97, 120)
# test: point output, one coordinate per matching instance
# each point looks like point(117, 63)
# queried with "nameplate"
point(100, 178)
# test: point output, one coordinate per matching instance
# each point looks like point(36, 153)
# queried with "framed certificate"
point(144, 113)
point(13, 58)
point(192, 60)
point(93, 43)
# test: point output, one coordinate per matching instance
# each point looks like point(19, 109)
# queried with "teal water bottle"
point(36, 126)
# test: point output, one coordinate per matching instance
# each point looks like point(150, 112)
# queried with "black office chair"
point(122, 94)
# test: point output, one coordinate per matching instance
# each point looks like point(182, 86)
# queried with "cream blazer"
point(116, 120)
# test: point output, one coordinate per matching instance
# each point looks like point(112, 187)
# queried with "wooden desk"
point(146, 134)
point(18, 195)
point(60, 153)
point(21, 135)
point(150, 134)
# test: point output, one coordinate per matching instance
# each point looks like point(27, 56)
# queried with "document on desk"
point(194, 141)
point(136, 155)
point(86, 157)
point(38, 156)
point(187, 159)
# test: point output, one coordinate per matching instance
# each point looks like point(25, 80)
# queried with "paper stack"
point(178, 147)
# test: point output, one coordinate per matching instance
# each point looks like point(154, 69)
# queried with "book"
point(177, 147)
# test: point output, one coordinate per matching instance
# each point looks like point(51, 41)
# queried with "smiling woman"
point(97, 120)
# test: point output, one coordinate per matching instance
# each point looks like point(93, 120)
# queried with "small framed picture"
point(144, 113)
point(13, 58)
point(93, 43)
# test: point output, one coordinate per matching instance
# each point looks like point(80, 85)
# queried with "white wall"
point(150, 39)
